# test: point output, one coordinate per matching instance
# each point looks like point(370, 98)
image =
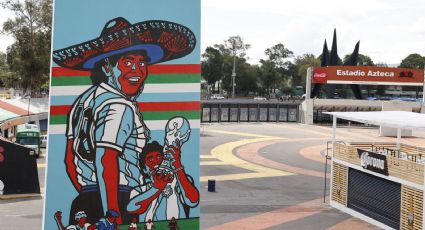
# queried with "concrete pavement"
point(269, 176)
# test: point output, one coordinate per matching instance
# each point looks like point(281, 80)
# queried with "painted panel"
point(124, 117)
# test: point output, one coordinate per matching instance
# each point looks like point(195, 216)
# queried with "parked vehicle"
point(260, 98)
point(216, 97)
point(29, 135)
point(43, 139)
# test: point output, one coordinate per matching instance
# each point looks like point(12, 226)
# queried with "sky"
point(388, 30)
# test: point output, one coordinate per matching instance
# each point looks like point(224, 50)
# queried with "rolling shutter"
point(374, 197)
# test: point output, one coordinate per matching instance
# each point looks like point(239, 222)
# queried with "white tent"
point(392, 119)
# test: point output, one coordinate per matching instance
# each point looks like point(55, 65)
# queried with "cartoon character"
point(109, 222)
point(172, 225)
point(168, 190)
point(105, 129)
point(149, 225)
point(80, 217)
point(133, 225)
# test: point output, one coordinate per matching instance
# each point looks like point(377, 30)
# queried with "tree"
point(233, 46)
point(362, 60)
point(269, 75)
point(277, 55)
point(414, 61)
point(212, 66)
point(232, 50)
point(4, 69)
point(29, 55)
point(303, 62)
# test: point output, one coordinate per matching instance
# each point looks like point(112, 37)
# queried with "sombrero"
point(161, 40)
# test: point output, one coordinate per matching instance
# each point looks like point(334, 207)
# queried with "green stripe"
point(147, 116)
point(152, 78)
point(192, 114)
point(58, 120)
point(192, 223)
point(67, 81)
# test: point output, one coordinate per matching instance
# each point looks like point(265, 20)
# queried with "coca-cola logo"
point(319, 76)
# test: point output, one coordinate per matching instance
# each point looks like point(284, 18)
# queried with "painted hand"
point(175, 151)
point(58, 215)
point(160, 179)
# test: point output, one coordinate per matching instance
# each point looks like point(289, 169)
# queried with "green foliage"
point(362, 60)
point(29, 56)
point(212, 65)
point(277, 55)
point(414, 61)
point(303, 62)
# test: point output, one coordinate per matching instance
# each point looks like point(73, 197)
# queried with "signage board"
point(124, 115)
point(373, 161)
point(368, 75)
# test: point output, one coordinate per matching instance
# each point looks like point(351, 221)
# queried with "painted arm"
point(190, 192)
point(58, 218)
point(71, 168)
point(108, 178)
point(141, 203)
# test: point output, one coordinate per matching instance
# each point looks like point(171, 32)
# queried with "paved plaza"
point(268, 176)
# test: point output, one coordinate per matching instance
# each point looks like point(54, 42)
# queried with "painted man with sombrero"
point(105, 130)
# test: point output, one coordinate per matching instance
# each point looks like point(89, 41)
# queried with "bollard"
point(211, 185)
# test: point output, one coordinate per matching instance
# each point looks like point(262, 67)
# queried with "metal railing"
point(250, 112)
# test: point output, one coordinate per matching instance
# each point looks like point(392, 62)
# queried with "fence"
point(249, 112)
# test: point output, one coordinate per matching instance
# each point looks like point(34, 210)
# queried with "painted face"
point(153, 159)
point(133, 72)
point(82, 221)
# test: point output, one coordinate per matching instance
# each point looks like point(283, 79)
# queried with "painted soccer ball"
point(177, 128)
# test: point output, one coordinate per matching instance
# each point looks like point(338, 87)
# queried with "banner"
point(124, 115)
point(373, 161)
point(368, 75)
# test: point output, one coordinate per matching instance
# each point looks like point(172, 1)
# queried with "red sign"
point(368, 75)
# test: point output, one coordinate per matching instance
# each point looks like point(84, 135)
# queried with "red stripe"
point(143, 106)
point(169, 106)
point(60, 71)
point(60, 109)
point(175, 69)
point(153, 69)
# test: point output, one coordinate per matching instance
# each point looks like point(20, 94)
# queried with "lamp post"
point(233, 75)
point(29, 102)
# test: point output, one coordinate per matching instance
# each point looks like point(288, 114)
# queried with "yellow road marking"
point(207, 157)
point(224, 153)
point(213, 163)
point(239, 176)
point(237, 133)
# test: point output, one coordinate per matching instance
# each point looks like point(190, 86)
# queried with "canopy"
point(391, 119)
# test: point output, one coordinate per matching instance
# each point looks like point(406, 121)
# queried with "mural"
point(130, 152)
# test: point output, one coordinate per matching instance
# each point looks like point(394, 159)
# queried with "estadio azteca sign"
point(367, 75)
point(373, 161)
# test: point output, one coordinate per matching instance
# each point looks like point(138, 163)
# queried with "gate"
point(249, 112)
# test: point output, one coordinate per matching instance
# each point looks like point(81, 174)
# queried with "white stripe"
point(149, 88)
point(374, 83)
point(152, 125)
